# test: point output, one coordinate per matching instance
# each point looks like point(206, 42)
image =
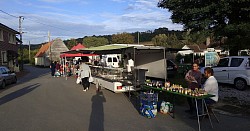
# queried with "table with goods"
point(176, 89)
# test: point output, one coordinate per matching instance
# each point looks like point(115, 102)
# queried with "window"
point(1, 35)
point(236, 62)
point(3, 71)
point(223, 62)
point(109, 59)
point(11, 38)
point(4, 57)
point(114, 59)
point(248, 62)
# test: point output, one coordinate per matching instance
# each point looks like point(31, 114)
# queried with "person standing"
point(84, 73)
point(193, 77)
point(52, 68)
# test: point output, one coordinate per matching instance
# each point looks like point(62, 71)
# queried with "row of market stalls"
point(149, 61)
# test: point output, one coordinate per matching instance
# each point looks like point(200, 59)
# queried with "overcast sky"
point(67, 19)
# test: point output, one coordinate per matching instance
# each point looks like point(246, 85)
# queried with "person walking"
point(52, 68)
point(193, 77)
point(84, 73)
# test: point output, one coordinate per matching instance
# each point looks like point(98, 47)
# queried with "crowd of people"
point(58, 69)
point(79, 69)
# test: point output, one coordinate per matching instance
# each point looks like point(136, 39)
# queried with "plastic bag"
point(78, 80)
point(166, 107)
point(91, 79)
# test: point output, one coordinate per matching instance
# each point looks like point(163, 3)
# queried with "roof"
point(8, 28)
point(42, 50)
point(107, 49)
point(78, 46)
point(202, 46)
point(195, 48)
point(75, 55)
point(119, 49)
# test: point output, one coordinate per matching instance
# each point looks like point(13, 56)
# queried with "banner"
point(211, 59)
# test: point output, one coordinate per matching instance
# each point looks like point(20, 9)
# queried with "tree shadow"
point(97, 113)
point(18, 93)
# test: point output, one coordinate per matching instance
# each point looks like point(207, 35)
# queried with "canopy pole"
point(134, 73)
point(165, 65)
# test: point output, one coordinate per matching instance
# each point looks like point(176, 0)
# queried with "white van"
point(110, 60)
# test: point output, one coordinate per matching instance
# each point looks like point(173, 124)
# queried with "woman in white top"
point(84, 74)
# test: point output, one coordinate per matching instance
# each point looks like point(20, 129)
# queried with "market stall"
point(129, 77)
point(123, 79)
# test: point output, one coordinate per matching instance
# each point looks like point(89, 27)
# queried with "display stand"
point(196, 98)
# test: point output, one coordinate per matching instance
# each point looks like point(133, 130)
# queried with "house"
point(195, 49)
point(50, 52)
point(8, 47)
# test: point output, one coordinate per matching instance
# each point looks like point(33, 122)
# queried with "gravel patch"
point(233, 102)
point(234, 96)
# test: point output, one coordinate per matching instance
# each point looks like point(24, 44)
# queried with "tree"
point(26, 56)
point(160, 40)
point(169, 40)
point(71, 43)
point(222, 17)
point(94, 41)
point(123, 38)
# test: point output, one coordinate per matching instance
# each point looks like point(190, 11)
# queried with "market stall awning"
point(74, 52)
point(75, 55)
point(119, 49)
point(107, 49)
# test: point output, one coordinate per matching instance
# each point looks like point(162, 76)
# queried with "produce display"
point(176, 88)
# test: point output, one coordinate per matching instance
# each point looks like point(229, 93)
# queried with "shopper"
point(193, 77)
point(52, 68)
point(84, 73)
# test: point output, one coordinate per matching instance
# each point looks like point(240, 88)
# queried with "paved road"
point(39, 102)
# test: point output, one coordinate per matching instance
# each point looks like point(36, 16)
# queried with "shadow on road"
point(18, 93)
point(97, 114)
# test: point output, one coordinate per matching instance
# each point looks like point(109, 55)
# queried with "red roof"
point(42, 50)
point(78, 46)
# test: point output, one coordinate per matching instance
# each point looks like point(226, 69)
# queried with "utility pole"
point(50, 55)
point(29, 53)
point(138, 37)
point(21, 18)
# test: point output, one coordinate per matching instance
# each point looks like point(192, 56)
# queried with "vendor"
point(130, 63)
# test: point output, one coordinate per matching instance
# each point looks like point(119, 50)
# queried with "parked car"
point(171, 68)
point(6, 77)
point(233, 70)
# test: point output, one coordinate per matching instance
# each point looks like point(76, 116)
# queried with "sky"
point(66, 19)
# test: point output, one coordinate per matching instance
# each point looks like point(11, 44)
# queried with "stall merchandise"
point(148, 104)
point(114, 79)
point(197, 94)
